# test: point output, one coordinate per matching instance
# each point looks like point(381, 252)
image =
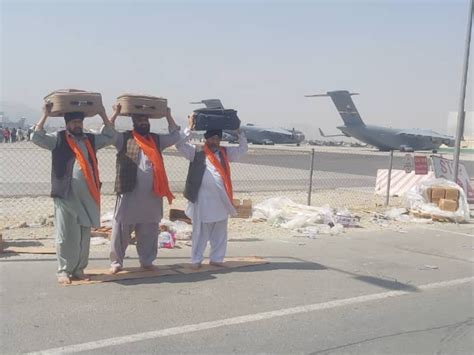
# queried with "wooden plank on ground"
point(103, 275)
point(29, 250)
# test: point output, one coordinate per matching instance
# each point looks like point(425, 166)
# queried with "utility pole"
point(462, 98)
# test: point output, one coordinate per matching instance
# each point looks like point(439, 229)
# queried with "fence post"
point(389, 179)
point(311, 177)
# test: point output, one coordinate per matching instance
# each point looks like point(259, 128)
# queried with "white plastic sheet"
point(181, 229)
point(417, 199)
point(309, 220)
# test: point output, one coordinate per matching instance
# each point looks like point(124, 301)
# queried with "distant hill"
point(15, 110)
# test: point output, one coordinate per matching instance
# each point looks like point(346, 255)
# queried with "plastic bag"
point(166, 240)
point(417, 199)
point(282, 212)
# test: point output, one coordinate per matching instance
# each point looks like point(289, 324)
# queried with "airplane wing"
point(434, 136)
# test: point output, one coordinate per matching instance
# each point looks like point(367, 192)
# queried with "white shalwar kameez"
point(210, 212)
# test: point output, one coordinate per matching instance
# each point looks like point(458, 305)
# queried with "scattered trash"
point(432, 199)
point(399, 215)
point(178, 215)
point(346, 219)
point(432, 267)
point(99, 241)
point(307, 220)
point(166, 238)
point(106, 219)
point(102, 232)
point(244, 209)
point(180, 229)
point(400, 231)
point(395, 213)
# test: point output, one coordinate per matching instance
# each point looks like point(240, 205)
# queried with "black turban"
point(212, 133)
point(69, 116)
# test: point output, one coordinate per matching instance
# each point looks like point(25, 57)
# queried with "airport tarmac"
point(26, 168)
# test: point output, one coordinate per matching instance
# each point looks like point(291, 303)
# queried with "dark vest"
point(62, 165)
point(127, 162)
point(195, 174)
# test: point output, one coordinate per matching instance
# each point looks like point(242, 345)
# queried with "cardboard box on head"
point(73, 100)
point(151, 106)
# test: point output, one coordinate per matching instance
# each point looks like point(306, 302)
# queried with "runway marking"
point(244, 319)
point(448, 231)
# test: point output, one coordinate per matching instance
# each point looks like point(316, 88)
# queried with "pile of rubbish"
point(307, 220)
point(439, 200)
point(170, 232)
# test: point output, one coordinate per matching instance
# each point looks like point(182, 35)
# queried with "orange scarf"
point(92, 176)
point(160, 180)
point(224, 173)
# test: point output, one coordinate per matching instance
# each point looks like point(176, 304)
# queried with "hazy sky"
point(259, 57)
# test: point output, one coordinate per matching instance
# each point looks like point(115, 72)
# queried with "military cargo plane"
point(383, 138)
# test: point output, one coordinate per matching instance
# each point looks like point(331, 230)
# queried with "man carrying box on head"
point(209, 192)
point(75, 187)
point(141, 183)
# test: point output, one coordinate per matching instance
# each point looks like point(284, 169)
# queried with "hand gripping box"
point(72, 100)
point(151, 106)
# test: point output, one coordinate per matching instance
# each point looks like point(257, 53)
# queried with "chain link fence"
point(341, 177)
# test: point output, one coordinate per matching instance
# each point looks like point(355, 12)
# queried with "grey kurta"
point(142, 205)
point(139, 210)
point(79, 203)
point(78, 212)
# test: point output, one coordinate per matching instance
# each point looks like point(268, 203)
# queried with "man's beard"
point(142, 129)
point(77, 132)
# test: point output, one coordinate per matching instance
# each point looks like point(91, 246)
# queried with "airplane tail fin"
point(211, 103)
point(345, 106)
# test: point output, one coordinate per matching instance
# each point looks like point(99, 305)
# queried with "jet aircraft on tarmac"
point(383, 138)
point(256, 134)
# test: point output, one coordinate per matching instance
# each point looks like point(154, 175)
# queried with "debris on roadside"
point(106, 219)
point(180, 229)
point(440, 200)
point(167, 237)
point(243, 208)
point(178, 215)
point(99, 241)
point(429, 267)
point(306, 220)
point(102, 232)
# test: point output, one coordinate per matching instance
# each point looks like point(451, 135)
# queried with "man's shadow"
point(295, 264)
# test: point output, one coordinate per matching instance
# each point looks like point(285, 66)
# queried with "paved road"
point(362, 292)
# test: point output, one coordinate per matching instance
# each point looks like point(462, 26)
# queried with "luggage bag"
point(208, 119)
point(152, 106)
point(72, 100)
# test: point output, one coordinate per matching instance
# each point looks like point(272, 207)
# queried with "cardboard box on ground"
point(446, 198)
point(244, 209)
